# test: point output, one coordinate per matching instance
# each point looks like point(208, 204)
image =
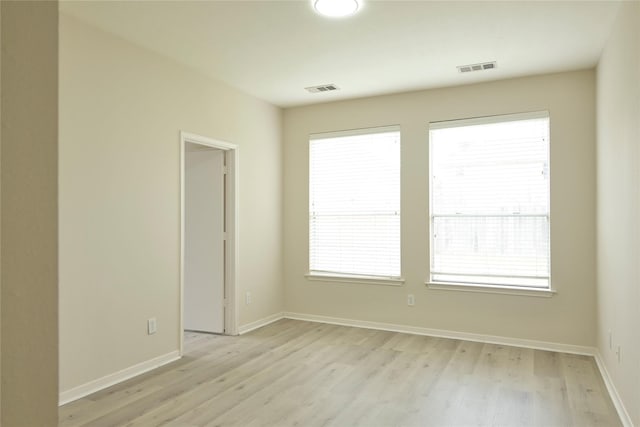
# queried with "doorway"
point(208, 198)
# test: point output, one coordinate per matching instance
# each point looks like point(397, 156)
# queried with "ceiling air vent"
point(322, 88)
point(477, 67)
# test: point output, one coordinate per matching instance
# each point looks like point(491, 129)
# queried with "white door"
point(204, 239)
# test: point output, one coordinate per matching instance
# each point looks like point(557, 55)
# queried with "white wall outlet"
point(411, 300)
point(247, 298)
point(152, 326)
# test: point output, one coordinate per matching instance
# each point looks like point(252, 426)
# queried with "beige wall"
point(568, 317)
point(29, 263)
point(121, 110)
point(618, 210)
point(0, 217)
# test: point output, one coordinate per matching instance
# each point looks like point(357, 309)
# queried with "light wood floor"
point(294, 373)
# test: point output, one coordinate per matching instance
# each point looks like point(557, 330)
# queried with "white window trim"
point(345, 278)
point(500, 118)
point(476, 287)
point(320, 276)
point(355, 132)
point(492, 289)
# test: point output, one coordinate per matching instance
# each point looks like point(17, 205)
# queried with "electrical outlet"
point(152, 326)
point(247, 298)
point(411, 300)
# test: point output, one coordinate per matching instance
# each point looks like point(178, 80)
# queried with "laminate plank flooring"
point(295, 373)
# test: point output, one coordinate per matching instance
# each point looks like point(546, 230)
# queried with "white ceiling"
point(274, 49)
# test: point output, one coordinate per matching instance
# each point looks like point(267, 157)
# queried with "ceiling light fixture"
point(336, 8)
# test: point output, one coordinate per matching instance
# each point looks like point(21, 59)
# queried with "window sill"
point(492, 289)
point(367, 280)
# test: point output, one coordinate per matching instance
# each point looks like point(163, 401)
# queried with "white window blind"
point(354, 203)
point(489, 182)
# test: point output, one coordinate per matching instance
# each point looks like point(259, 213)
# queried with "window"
point(354, 204)
point(489, 210)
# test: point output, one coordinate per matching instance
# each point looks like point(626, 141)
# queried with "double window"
point(354, 204)
point(488, 202)
point(489, 187)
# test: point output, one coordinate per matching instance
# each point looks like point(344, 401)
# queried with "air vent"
point(477, 67)
point(322, 88)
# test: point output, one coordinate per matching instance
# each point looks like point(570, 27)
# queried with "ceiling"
point(274, 49)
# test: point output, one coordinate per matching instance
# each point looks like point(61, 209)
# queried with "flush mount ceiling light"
point(336, 8)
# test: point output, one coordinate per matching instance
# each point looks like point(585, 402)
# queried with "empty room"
point(320, 213)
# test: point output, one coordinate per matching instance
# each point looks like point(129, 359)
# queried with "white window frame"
point(481, 287)
point(344, 277)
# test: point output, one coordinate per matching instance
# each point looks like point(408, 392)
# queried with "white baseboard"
point(260, 323)
point(115, 378)
point(613, 392)
point(133, 371)
point(125, 374)
point(491, 339)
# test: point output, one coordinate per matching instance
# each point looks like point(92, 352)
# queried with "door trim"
point(231, 214)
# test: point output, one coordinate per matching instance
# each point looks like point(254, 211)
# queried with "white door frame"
point(231, 214)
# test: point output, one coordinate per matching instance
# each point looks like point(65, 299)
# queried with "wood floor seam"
point(299, 373)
